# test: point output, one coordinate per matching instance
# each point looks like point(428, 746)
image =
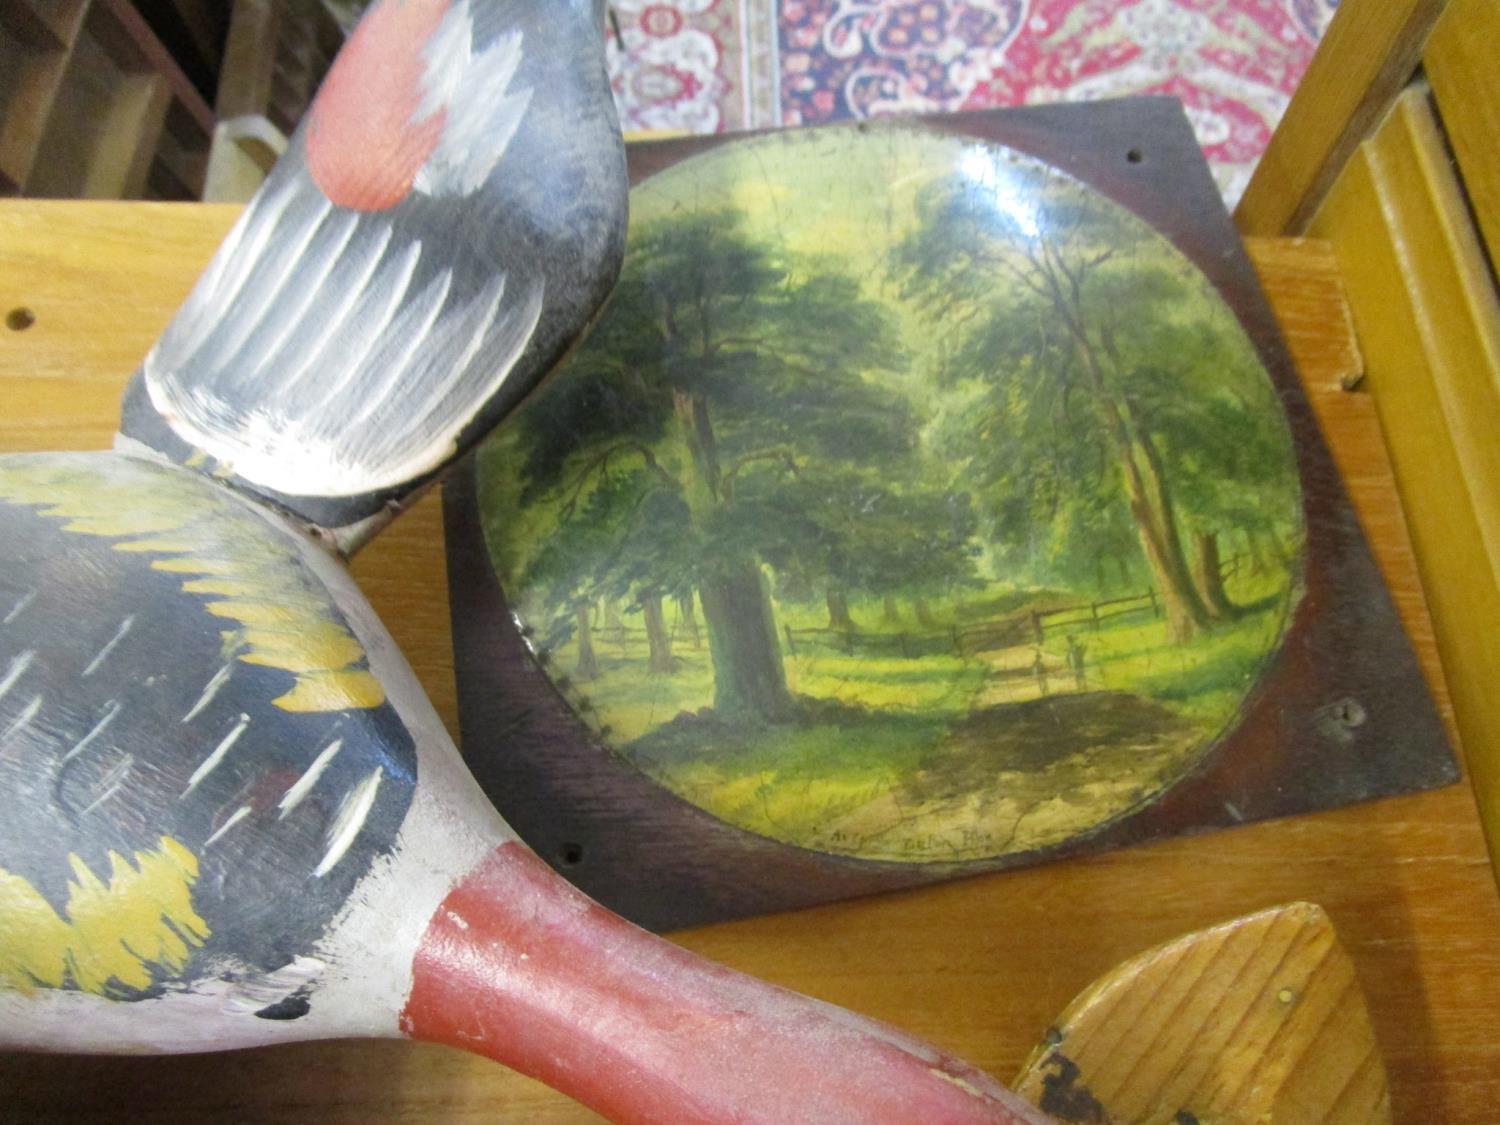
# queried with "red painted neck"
point(519, 966)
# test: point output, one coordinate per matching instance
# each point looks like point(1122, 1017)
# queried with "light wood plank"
point(1427, 321)
point(1367, 54)
point(1462, 61)
point(981, 966)
point(1260, 1019)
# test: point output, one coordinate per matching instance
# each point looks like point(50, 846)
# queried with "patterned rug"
point(712, 65)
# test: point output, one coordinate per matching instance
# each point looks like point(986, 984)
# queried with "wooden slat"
point(34, 45)
point(109, 107)
point(181, 163)
point(249, 60)
point(43, 23)
point(1462, 61)
point(1369, 51)
point(130, 23)
point(1429, 326)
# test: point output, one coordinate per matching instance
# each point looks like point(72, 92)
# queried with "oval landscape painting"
point(911, 501)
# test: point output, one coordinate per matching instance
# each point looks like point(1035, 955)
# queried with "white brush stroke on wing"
point(113, 781)
point(211, 689)
point(211, 763)
point(111, 709)
point(19, 608)
point(239, 814)
point(504, 345)
point(23, 720)
point(304, 784)
point(15, 670)
point(286, 362)
point(478, 124)
point(351, 817)
point(114, 641)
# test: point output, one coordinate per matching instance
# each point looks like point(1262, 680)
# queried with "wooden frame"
point(92, 105)
point(1400, 174)
point(1366, 57)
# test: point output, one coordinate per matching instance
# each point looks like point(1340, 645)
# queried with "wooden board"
point(1260, 1019)
point(628, 761)
point(1429, 320)
point(1461, 63)
point(984, 965)
point(1369, 51)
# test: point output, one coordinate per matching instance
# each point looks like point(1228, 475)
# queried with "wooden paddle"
point(1260, 1019)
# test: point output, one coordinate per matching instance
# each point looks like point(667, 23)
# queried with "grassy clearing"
point(886, 742)
point(1204, 680)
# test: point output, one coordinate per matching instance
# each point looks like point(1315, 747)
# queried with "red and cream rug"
point(713, 65)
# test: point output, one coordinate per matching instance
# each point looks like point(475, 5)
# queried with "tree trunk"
point(1185, 612)
point(749, 680)
point(588, 664)
point(690, 619)
point(838, 611)
point(924, 614)
point(612, 620)
point(743, 645)
point(1146, 492)
point(1196, 613)
point(1210, 580)
point(658, 639)
point(889, 612)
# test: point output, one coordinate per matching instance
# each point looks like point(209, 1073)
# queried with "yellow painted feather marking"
point(124, 931)
point(250, 577)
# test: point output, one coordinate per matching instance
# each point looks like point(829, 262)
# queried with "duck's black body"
point(178, 691)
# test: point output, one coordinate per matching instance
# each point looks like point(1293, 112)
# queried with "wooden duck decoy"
point(233, 818)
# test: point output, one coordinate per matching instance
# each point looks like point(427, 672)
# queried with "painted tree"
point(1091, 344)
point(879, 529)
point(724, 377)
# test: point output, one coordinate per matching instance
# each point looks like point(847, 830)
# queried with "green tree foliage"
point(1110, 397)
point(734, 409)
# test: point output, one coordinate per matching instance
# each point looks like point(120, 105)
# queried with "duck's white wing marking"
point(479, 125)
point(339, 361)
point(354, 810)
point(322, 354)
point(448, 399)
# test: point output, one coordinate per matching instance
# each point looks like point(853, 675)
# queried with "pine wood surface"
point(981, 966)
point(1426, 310)
point(1462, 61)
point(1367, 54)
point(1259, 1019)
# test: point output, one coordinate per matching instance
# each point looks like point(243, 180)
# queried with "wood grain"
point(1462, 61)
point(1427, 314)
point(982, 966)
point(1367, 54)
point(1260, 1019)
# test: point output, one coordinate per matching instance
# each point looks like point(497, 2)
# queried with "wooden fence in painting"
point(1026, 627)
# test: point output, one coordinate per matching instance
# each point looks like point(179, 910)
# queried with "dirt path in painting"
point(1019, 776)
